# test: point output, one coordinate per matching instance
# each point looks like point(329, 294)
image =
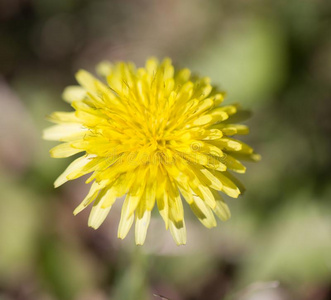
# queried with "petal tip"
point(256, 157)
point(95, 227)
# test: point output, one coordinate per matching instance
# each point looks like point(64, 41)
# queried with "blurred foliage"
point(272, 56)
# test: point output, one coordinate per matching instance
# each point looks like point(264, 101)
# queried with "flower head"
point(151, 134)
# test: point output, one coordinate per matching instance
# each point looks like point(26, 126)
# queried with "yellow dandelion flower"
point(151, 134)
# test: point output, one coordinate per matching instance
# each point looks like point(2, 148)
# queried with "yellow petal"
point(64, 150)
point(182, 76)
point(97, 216)
point(254, 157)
point(63, 117)
point(186, 192)
point(216, 115)
point(228, 144)
point(99, 213)
point(202, 88)
point(236, 181)
point(141, 227)
point(203, 212)
point(134, 198)
point(126, 219)
point(109, 198)
point(233, 145)
point(152, 65)
point(198, 183)
point(77, 164)
point(221, 210)
point(231, 129)
point(213, 181)
point(104, 68)
point(206, 194)
point(162, 198)
point(234, 164)
point(218, 98)
point(64, 132)
point(150, 194)
point(229, 109)
point(178, 232)
point(175, 202)
point(92, 194)
point(94, 163)
point(73, 93)
point(86, 80)
point(163, 207)
point(228, 187)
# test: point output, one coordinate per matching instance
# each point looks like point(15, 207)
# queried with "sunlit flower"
point(151, 134)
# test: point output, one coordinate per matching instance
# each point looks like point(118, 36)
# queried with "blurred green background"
point(272, 56)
